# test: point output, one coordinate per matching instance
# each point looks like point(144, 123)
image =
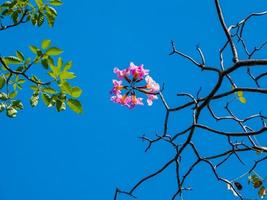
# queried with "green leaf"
point(12, 60)
point(7, 12)
point(66, 88)
point(21, 81)
point(52, 74)
point(50, 19)
point(34, 100)
point(40, 19)
point(240, 93)
point(75, 105)
point(62, 97)
point(51, 11)
point(54, 71)
point(39, 3)
point(55, 2)
point(3, 96)
point(2, 107)
point(49, 90)
point(34, 49)
point(243, 100)
point(12, 95)
point(17, 78)
point(19, 86)
point(60, 105)
point(35, 78)
point(27, 61)
point(59, 62)
point(34, 88)
point(17, 105)
point(14, 86)
point(54, 51)
point(67, 66)
point(53, 100)
point(44, 63)
point(67, 75)
point(76, 92)
point(46, 44)
point(20, 55)
point(2, 82)
point(50, 60)
point(46, 99)
point(14, 17)
point(11, 112)
point(34, 19)
point(20, 68)
point(51, 14)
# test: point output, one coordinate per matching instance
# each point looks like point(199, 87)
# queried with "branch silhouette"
point(238, 142)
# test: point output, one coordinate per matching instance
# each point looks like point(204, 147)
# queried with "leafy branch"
point(14, 70)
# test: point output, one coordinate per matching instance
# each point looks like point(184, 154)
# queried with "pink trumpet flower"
point(133, 76)
point(151, 98)
point(138, 72)
point(152, 86)
point(120, 73)
point(117, 87)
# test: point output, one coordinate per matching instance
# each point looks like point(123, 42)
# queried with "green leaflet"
point(54, 51)
point(75, 105)
point(46, 44)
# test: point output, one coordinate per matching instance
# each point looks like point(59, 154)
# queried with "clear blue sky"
point(63, 156)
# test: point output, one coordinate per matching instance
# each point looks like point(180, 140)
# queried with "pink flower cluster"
point(138, 72)
point(133, 76)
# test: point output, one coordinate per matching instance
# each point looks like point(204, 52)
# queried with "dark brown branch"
point(20, 21)
point(201, 66)
point(227, 33)
point(145, 179)
point(253, 90)
point(245, 63)
point(234, 134)
point(237, 142)
point(257, 162)
point(23, 74)
point(243, 22)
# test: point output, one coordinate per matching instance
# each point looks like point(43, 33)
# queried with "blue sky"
point(48, 155)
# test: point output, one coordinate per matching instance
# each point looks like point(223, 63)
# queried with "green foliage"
point(57, 91)
point(37, 12)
